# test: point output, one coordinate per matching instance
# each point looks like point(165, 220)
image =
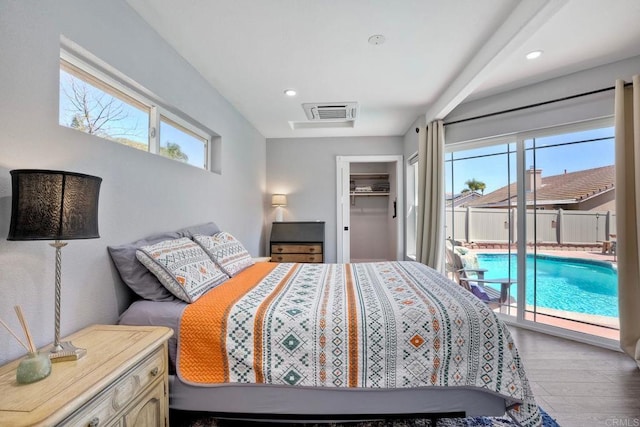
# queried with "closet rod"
point(524, 107)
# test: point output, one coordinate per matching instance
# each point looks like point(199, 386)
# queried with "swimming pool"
point(578, 285)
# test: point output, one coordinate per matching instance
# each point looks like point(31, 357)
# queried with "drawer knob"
point(94, 422)
point(312, 249)
point(279, 258)
point(279, 249)
point(154, 371)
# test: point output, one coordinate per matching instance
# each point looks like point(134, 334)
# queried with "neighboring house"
point(590, 189)
point(461, 199)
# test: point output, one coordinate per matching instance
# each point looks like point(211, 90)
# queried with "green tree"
point(173, 151)
point(78, 123)
point(475, 185)
point(131, 143)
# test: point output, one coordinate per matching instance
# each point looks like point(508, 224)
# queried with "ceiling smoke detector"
point(376, 39)
point(331, 111)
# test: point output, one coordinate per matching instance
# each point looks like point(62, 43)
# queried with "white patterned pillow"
point(226, 251)
point(182, 267)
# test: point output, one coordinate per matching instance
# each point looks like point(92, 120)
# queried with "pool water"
point(578, 285)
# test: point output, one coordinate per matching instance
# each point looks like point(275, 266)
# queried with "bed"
point(338, 341)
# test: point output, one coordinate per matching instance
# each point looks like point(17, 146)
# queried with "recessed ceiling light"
point(533, 55)
point(376, 39)
point(290, 92)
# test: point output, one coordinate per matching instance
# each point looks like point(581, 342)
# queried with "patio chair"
point(467, 275)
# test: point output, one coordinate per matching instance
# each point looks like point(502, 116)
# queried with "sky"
point(553, 155)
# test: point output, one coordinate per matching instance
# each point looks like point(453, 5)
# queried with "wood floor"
point(578, 384)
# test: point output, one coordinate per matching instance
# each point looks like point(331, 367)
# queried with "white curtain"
point(627, 124)
point(430, 232)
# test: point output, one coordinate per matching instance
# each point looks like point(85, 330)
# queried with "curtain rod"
point(524, 107)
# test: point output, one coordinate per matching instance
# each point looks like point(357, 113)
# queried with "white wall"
point(141, 193)
point(305, 170)
point(411, 137)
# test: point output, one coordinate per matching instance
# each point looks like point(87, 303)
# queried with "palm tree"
point(475, 185)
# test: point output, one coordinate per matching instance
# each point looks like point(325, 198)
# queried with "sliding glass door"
point(571, 279)
point(535, 218)
point(480, 209)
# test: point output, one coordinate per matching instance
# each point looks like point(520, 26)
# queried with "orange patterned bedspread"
point(202, 356)
point(368, 325)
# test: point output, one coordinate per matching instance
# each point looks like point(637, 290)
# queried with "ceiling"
point(437, 53)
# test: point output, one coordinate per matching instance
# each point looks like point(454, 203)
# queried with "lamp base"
point(66, 352)
point(279, 215)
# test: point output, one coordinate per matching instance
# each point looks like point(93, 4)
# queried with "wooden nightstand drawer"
point(296, 258)
point(104, 407)
point(123, 366)
point(296, 249)
point(150, 410)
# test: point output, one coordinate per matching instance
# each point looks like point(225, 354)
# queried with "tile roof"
point(461, 198)
point(572, 187)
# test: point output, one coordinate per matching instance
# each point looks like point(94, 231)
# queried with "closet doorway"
point(370, 220)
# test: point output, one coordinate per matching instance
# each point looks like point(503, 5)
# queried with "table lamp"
point(277, 201)
point(55, 205)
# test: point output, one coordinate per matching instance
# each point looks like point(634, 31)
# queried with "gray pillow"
point(136, 275)
point(183, 267)
point(208, 229)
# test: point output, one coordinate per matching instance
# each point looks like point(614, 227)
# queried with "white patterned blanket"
point(370, 325)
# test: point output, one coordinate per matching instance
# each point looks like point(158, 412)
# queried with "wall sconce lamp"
point(55, 205)
point(278, 201)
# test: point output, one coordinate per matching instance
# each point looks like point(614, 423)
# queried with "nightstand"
point(122, 381)
point(300, 241)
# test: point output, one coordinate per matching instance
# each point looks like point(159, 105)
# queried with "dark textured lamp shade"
point(53, 205)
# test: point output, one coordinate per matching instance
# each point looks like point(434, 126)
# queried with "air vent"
point(335, 111)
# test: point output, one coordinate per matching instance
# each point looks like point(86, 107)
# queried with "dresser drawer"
point(149, 411)
point(106, 405)
point(296, 249)
point(296, 258)
point(297, 241)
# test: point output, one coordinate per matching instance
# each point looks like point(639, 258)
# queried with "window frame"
point(411, 189)
point(112, 83)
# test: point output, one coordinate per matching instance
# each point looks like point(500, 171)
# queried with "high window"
point(94, 102)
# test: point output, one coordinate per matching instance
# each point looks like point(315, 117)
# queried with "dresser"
point(122, 381)
point(297, 241)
